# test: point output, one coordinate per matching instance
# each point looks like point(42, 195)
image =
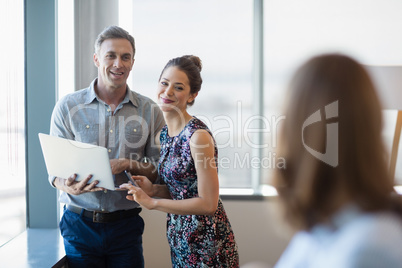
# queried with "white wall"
point(258, 233)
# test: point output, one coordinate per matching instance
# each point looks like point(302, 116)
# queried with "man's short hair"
point(113, 32)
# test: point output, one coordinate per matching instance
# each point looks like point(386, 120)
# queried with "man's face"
point(114, 61)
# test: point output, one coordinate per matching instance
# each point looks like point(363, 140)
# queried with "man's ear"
point(96, 60)
point(132, 64)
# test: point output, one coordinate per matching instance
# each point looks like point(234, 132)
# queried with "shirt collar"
point(132, 96)
point(342, 218)
point(91, 96)
point(346, 214)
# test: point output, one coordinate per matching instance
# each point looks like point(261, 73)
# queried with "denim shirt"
point(128, 132)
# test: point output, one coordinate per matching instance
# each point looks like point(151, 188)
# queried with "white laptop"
point(65, 157)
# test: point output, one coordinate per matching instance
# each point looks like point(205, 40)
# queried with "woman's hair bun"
point(196, 60)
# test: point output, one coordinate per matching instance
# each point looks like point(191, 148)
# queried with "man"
point(101, 228)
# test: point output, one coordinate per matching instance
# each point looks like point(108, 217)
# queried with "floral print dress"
point(194, 240)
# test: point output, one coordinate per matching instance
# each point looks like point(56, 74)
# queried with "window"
point(12, 123)
point(221, 33)
point(163, 30)
point(390, 117)
point(296, 30)
point(65, 48)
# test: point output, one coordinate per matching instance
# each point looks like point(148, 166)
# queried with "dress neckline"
point(167, 129)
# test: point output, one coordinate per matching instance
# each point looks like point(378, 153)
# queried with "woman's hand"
point(138, 195)
point(145, 184)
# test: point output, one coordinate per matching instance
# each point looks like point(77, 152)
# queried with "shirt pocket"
point(135, 138)
point(88, 133)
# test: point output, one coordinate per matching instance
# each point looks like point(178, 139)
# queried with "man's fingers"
point(93, 188)
point(97, 189)
point(71, 179)
point(87, 179)
point(83, 183)
point(83, 186)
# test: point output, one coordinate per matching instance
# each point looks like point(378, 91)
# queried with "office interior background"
point(249, 50)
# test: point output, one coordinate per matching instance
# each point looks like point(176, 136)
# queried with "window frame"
point(40, 98)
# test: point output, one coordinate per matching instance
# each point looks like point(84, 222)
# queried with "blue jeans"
point(93, 244)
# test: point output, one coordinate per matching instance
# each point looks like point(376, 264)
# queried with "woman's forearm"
point(191, 206)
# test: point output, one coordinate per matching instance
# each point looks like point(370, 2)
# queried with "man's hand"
point(119, 165)
point(73, 187)
point(135, 167)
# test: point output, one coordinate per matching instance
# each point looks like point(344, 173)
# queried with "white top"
point(353, 239)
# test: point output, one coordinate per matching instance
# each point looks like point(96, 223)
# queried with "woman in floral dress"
point(198, 230)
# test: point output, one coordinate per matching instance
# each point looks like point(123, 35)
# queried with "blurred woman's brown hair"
point(312, 188)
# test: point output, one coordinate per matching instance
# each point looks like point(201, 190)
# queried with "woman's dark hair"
point(310, 189)
point(191, 66)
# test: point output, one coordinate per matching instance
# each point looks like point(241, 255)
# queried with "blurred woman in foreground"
point(335, 190)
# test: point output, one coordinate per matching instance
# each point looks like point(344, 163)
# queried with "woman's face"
point(174, 90)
